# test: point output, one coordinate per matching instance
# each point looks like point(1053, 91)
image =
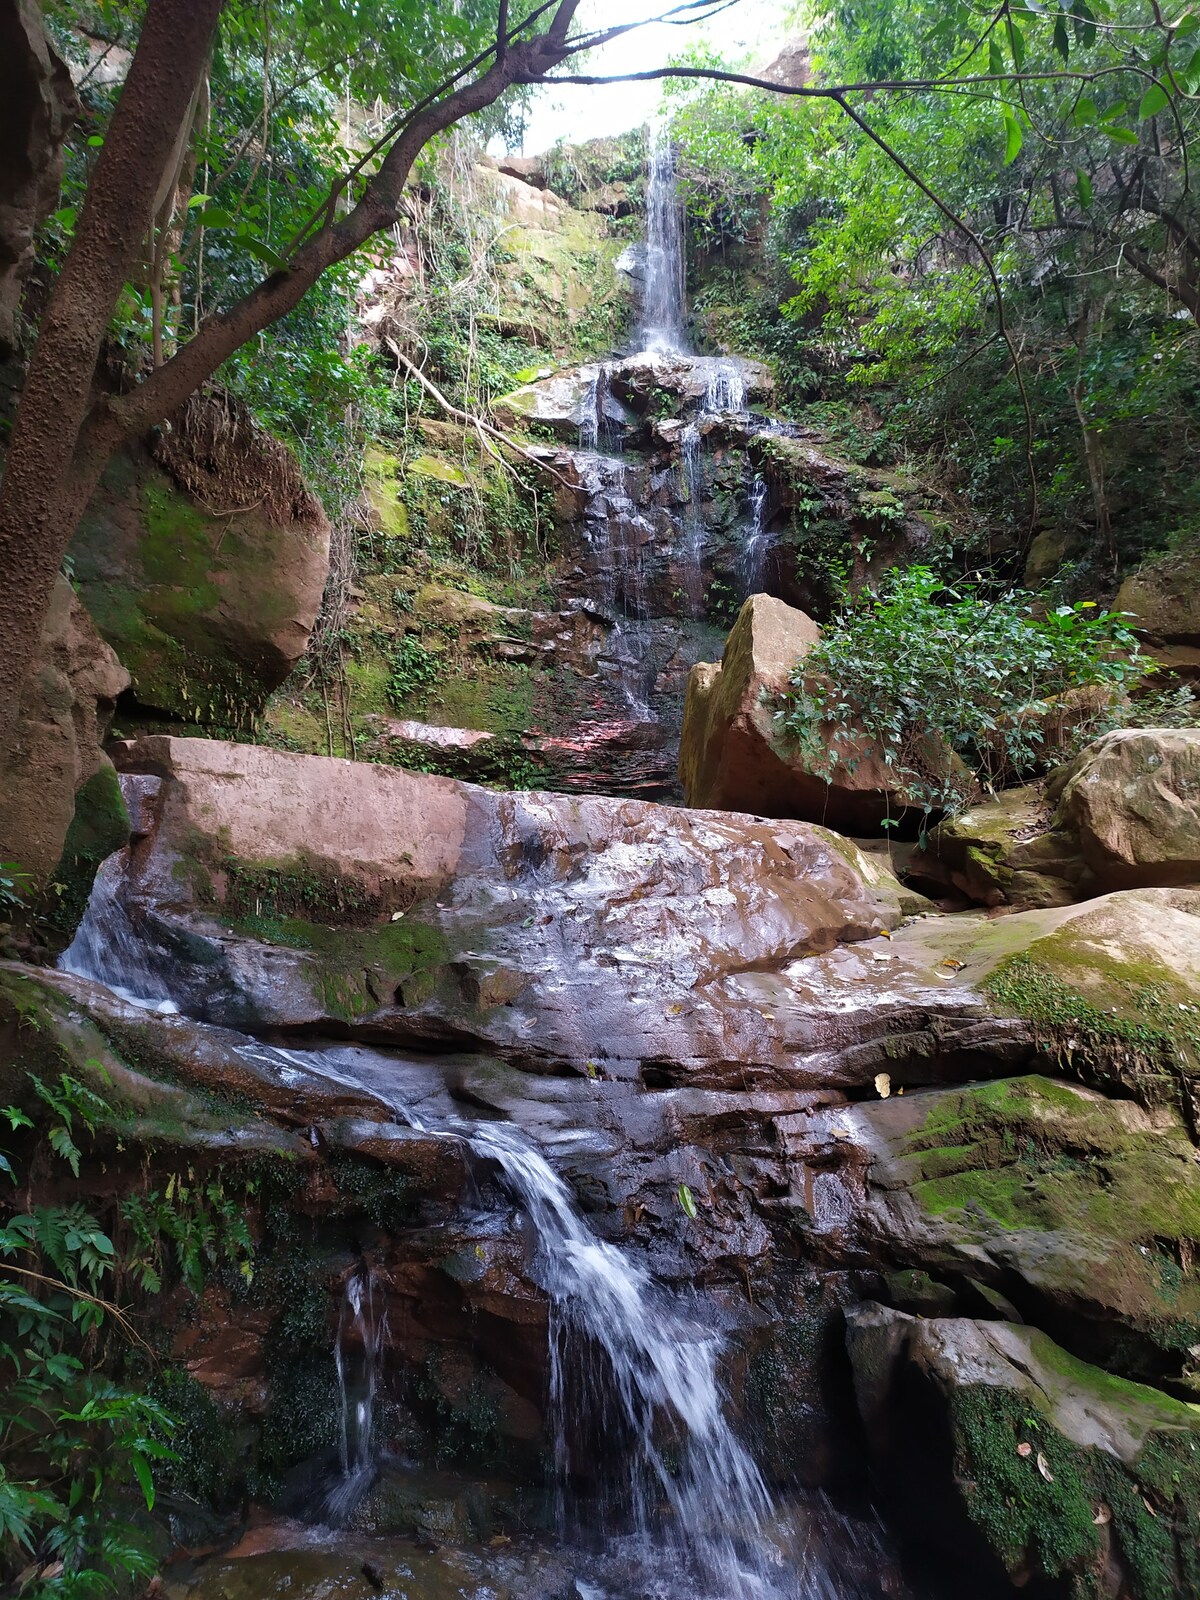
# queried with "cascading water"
point(693, 521)
point(752, 560)
point(686, 1514)
point(358, 1353)
point(663, 306)
point(726, 388)
point(107, 948)
point(703, 1523)
point(618, 532)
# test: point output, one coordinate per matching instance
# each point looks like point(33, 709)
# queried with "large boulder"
point(1132, 800)
point(55, 761)
point(1163, 598)
point(203, 560)
point(733, 754)
point(1025, 1466)
point(299, 891)
point(1003, 851)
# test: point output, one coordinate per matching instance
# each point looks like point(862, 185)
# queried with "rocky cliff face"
point(750, 1075)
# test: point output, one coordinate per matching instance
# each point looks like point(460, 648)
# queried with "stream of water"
point(685, 1513)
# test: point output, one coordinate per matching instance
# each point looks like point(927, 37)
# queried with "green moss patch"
point(1054, 1523)
point(1117, 1193)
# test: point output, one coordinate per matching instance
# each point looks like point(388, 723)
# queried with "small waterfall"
point(752, 561)
point(693, 521)
point(664, 302)
point(590, 419)
point(358, 1353)
point(726, 389)
point(662, 1374)
point(704, 1523)
point(108, 949)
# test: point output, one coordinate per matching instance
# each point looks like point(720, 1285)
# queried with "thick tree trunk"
point(64, 438)
point(42, 494)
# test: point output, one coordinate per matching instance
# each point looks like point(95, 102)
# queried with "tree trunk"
point(63, 438)
point(42, 495)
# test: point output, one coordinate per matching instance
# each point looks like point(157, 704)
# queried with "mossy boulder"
point(1083, 1211)
point(1003, 852)
point(1024, 1466)
point(1163, 596)
point(203, 561)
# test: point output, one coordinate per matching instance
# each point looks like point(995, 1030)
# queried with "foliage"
point(72, 1443)
point(15, 884)
point(1061, 137)
point(78, 1449)
point(413, 668)
point(951, 688)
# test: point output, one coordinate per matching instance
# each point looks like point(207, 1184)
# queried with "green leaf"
point(263, 251)
point(995, 56)
point(1153, 101)
point(1062, 39)
point(1120, 135)
point(1016, 40)
point(1013, 138)
point(141, 1469)
point(1084, 185)
point(215, 217)
point(687, 1202)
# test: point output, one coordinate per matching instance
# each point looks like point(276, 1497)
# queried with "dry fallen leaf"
point(841, 1133)
point(1149, 1507)
point(1103, 1516)
point(1043, 1467)
point(1024, 1450)
point(883, 1084)
point(954, 964)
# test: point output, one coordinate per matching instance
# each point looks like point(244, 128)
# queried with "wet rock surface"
point(1017, 1459)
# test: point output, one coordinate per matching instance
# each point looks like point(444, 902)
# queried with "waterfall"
point(752, 560)
point(693, 521)
point(107, 948)
point(704, 1525)
point(661, 1371)
point(726, 388)
point(358, 1355)
point(687, 1515)
point(663, 305)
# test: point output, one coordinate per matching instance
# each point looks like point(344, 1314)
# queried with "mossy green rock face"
point(1017, 1460)
point(100, 826)
point(1004, 852)
point(1084, 1211)
point(203, 565)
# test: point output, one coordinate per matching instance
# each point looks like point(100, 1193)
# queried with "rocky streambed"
point(645, 1201)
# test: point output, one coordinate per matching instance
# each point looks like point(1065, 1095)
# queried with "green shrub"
point(413, 668)
point(921, 668)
